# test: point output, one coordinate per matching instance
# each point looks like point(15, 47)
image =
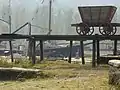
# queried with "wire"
point(42, 2)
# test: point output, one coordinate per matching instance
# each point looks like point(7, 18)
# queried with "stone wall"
point(114, 72)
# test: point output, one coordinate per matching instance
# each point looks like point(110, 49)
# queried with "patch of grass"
point(60, 75)
point(23, 63)
point(4, 63)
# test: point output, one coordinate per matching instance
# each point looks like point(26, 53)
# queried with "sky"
point(32, 4)
point(64, 3)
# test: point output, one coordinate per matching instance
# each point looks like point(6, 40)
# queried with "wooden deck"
point(59, 37)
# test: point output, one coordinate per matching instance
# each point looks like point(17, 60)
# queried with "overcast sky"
point(73, 3)
point(66, 3)
point(31, 4)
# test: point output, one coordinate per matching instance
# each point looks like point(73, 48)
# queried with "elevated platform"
point(41, 38)
point(76, 37)
point(59, 37)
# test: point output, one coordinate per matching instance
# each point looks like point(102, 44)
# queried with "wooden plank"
point(82, 52)
point(41, 50)
point(71, 42)
point(11, 51)
point(94, 54)
point(115, 47)
point(75, 37)
point(33, 52)
point(14, 36)
point(30, 42)
point(61, 37)
point(29, 49)
point(98, 52)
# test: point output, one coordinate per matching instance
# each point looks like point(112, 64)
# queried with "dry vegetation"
point(59, 75)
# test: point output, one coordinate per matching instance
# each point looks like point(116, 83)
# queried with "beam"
point(41, 50)
point(10, 42)
point(29, 49)
point(11, 51)
point(70, 55)
point(76, 37)
point(20, 28)
point(115, 47)
point(94, 54)
point(29, 42)
point(95, 25)
point(60, 37)
point(33, 52)
point(98, 52)
point(82, 52)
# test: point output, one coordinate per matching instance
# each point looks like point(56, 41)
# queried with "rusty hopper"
point(96, 16)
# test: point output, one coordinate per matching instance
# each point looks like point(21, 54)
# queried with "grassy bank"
point(60, 75)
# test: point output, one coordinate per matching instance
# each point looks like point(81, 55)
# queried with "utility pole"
point(30, 42)
point(10, 42)
point(9, 16)
point(50, 10)
point(50, 14)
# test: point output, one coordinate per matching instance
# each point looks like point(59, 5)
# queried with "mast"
point(9, 6)
point(10, 42)
point(50, 8)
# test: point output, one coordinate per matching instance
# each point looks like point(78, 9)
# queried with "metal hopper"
point(96, 16)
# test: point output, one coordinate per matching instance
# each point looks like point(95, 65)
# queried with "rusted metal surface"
point(96, 24)
point(96, 16)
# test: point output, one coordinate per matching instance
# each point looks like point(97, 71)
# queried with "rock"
point(21, 79)
point(114, 72)
point(114, 63)
point(18, 73)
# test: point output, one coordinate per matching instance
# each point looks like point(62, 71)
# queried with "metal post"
point(41, 50)
point(50, 7)
point(82, 52)
point(98, 52)
point(115, 47)
point(70, 55)
point(94, 54)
